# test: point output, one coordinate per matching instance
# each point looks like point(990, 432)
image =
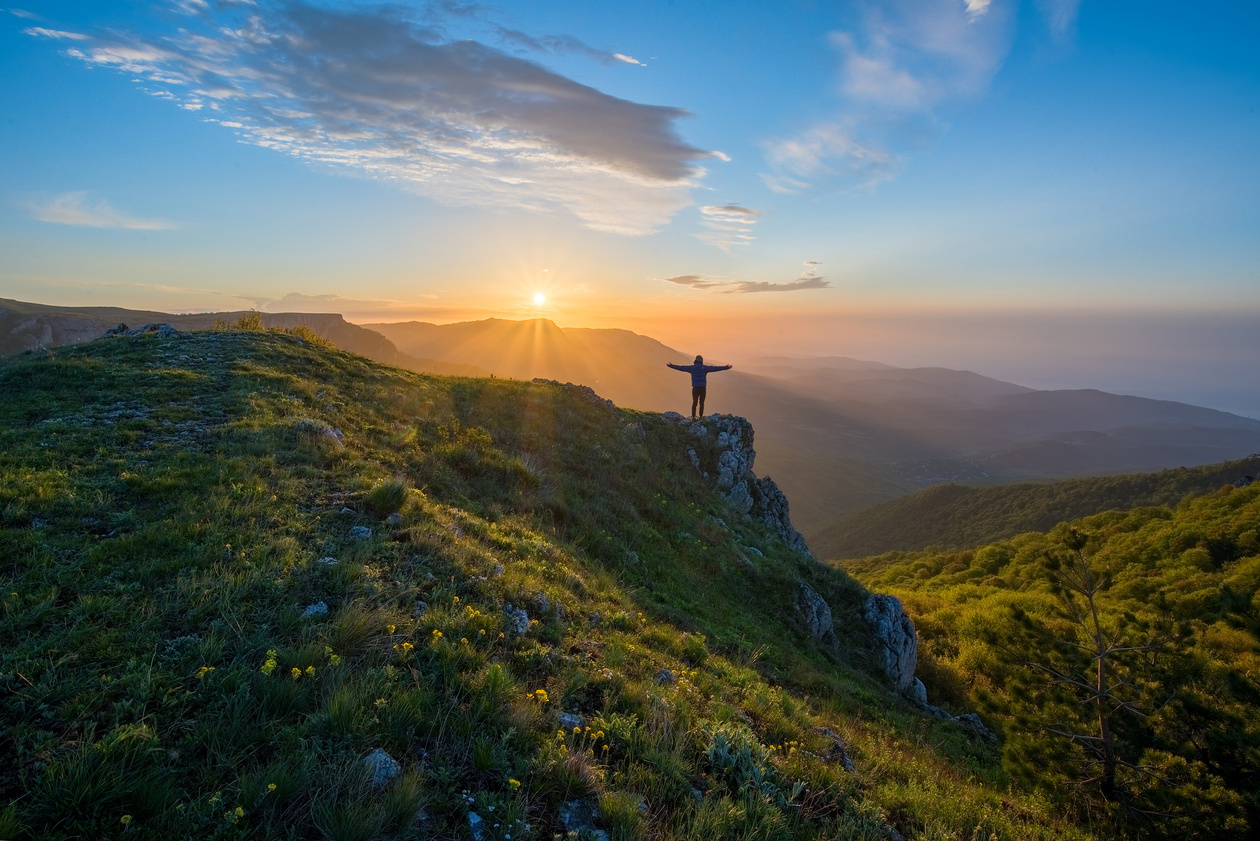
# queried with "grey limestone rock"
point(580, 816)
point(917, 692)
point(773, 507)
point(477, 826)
point(816, 613)
point(759, 498)
point(382, 767)
point(895, 632)
point(568, 721)
point(394, 519)
point(517, 619)
point(315, 611)
point(360, 532)
point(838, 752)
point(665, 677)
point(740, 497)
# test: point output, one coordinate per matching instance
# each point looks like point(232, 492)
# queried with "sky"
point(1061, 193)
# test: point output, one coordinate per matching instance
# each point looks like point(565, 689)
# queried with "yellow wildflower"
point(296, 672)
point(203, 671)
point(310, 671)
point(125, 819)
point(514, 783)
point(271, 786)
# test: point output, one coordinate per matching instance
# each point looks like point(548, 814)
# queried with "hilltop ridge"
point(246, 564)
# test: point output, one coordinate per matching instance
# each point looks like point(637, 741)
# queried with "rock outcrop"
point(727, 461)
point(816, 613)
point(899, 652)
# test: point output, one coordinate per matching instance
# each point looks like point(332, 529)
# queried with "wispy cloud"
point(826, 151)
point(375, 90)
point(728, 225)
point(1060, 16)
point(808, 279)
point(898, 62)
point(561, 45)
point(77, 209)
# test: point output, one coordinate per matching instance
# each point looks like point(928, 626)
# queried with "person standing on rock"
point(699, 374)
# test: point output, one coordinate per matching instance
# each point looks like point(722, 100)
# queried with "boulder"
point(815, 612)
point(382, 768)
point(517, 619)
point(315, 611)
point(580, 816)
point(899, 645)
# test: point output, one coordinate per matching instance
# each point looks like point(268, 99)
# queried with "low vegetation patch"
point(1120, 654)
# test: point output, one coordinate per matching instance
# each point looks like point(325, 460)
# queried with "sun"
point(540, 298)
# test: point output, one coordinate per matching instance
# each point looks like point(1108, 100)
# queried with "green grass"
point(169, 509)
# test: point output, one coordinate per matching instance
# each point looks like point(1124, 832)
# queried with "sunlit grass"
point(170, 510)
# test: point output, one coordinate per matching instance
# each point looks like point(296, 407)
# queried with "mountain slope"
point(956, 516)
point(211, 623)
point(1120, 653)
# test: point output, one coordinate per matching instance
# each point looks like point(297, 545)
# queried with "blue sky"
point(855, 178)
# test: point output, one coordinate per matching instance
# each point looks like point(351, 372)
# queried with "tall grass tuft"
point(387, 496)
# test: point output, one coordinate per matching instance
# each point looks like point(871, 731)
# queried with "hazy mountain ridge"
point(957, 517)
point(836, 434)
point(839, 434)
point(211, 621)
point(26, 326)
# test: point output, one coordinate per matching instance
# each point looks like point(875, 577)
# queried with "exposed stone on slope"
point(816, 613)
point(732, 438)
point(895, 632)
point(381, 767)
point(838, 752)
point(774, 513)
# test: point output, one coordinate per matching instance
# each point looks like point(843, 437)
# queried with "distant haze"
point(1207, 359)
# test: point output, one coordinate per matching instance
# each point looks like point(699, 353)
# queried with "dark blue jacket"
point(698, 372)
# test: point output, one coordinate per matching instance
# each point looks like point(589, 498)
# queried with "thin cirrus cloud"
point(374, 90)
point(562, 45)
point(728, 225)
point(899, 61)
point(808, 279)
point(77, 208)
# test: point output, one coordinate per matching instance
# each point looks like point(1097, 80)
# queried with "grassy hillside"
point(208, 620)
point(1120, 654)
point(956, 516)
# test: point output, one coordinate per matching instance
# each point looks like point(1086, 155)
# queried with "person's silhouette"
point(699, 373)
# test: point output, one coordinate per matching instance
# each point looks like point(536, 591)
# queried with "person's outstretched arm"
point(675, 367)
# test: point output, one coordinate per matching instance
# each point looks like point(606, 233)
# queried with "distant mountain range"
point(836, 434)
